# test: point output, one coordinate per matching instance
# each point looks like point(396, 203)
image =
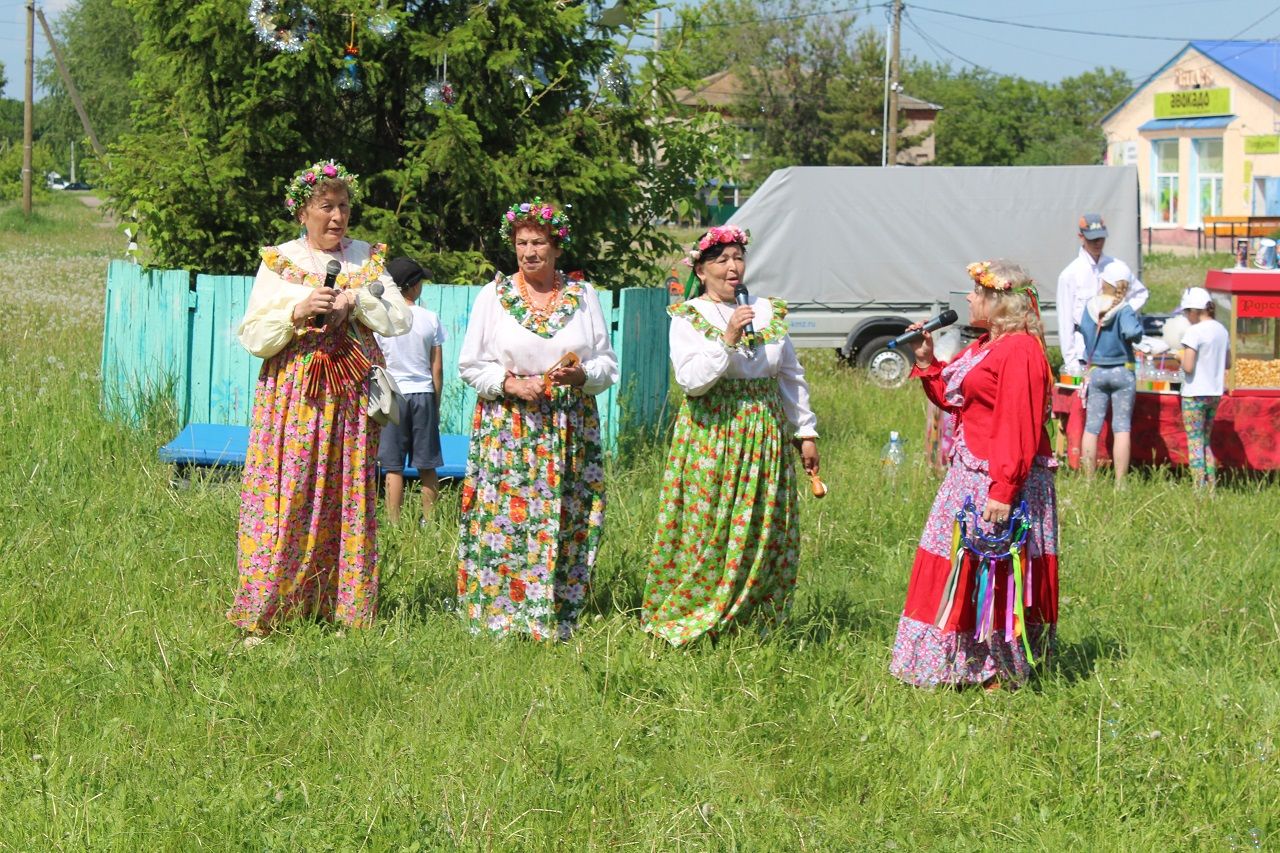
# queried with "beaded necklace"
point(549, 308)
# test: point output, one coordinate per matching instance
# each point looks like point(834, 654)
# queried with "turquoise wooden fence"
point(167, 340)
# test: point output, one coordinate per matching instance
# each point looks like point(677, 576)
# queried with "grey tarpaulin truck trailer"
point(860, 252)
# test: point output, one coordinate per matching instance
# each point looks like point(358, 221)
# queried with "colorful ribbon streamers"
point(995, 552)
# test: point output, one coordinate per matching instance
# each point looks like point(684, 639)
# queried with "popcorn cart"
point(1247, 302)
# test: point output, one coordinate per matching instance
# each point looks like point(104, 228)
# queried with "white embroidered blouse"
point(701, 358)
point(503, 335)
point(288, 274)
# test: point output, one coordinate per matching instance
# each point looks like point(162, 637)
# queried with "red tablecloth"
point(1244, 431)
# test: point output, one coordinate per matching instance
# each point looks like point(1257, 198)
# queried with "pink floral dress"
point(307, 545)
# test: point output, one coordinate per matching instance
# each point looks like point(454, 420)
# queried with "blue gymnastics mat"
point(223, 444)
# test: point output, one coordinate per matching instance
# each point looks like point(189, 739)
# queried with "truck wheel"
point(888, 368)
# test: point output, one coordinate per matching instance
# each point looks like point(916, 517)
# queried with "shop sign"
point(1265, 144)
point(1193, 102)
point(1258, 306)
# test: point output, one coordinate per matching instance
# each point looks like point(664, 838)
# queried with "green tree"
point(221, 122)
point(995, 120)
point(788, 58)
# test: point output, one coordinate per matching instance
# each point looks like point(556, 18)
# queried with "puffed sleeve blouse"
point(287, 276)
point(505, 336)
point(701, 358)
point(1003, 407)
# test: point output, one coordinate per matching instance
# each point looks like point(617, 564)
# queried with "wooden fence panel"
point(224, 374)
point(146, 336)
point(452, 304)
point(158, 332)
point(643, 350)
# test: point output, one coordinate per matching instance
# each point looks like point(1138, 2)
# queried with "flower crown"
point(980, 272)
point(537, 212)
point(716, 235)
point(305, 182)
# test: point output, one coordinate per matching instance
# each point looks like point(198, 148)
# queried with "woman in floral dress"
point(307, 531)
point(537, 353)
point(728, 539)
point(998, 388)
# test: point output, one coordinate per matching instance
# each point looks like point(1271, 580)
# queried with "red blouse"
point(1005, 408)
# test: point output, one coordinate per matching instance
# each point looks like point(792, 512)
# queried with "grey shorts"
point(1117, 385)
point(416, 437)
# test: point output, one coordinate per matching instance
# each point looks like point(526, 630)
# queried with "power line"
point(937, 45)
point(1041, 27)
point(796, 17)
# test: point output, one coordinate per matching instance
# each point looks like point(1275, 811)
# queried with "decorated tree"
point(448, 110)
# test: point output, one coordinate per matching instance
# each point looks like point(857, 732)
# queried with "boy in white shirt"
point(1205, 358)
point(414, 360)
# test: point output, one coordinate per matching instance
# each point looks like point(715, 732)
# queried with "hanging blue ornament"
point(348, 79)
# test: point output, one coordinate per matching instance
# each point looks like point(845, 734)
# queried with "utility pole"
point(72, 91)
point(893, 85)
point(28, 124)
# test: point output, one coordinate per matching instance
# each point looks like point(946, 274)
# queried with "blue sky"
point(1016, 40)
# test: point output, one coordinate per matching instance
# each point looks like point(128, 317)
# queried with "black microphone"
point(740, 296)
point(946, 318)
point(330, 278)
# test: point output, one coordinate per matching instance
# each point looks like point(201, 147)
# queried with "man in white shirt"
point(414, 360)
point(1079, 283)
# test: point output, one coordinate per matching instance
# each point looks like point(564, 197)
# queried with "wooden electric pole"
point(893, 85)
point(72, 91)
point(28, 124)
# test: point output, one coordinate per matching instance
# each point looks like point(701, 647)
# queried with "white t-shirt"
point(409, 355)
point(1210, 340)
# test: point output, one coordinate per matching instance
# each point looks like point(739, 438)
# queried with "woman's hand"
point(572, 375)
point(808, 454)
point(342, 307)
point(923, 349)
point(321, 301)
point(995, 512)
point(738, 320)
point(528, 388)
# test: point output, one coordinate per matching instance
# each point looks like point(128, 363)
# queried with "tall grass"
point(131, 718)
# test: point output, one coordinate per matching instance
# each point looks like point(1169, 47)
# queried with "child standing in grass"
point(414, 361)
point(1205, 359)
point(1110, 328)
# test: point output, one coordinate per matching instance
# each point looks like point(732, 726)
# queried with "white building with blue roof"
point(1204, 132)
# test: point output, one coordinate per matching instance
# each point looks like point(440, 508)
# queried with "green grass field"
point(132, 718)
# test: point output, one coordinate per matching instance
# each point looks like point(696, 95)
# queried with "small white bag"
point(385, 400)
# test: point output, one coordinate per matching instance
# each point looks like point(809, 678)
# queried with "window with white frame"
point(1209, 177)
point(1164, 158)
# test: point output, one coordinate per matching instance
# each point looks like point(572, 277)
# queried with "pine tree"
point(222, 121)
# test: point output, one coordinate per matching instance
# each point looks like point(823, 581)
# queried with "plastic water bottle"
point(892, 458)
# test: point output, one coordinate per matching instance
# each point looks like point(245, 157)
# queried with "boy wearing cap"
point(415, 362)
point(1079, 283)
point(1205, 358)
point(1110, 327)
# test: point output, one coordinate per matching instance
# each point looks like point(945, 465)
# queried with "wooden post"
point(894, 86)
point(28, 124)
point(72, 92)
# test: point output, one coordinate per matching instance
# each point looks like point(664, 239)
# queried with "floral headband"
point(538, 212)
point(980, 272)
point(718, 234)
point(305, 182)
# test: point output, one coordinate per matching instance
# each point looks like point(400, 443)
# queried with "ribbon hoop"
point(992, 550)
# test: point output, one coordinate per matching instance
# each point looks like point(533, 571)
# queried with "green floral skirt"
point(728, 539)
point(532, 513)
